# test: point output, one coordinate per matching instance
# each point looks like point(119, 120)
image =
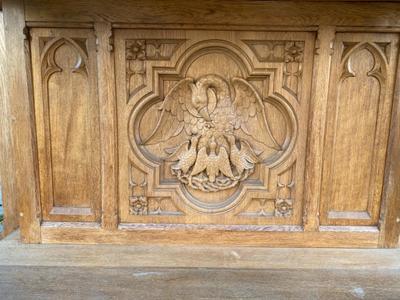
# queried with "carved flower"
point(293, 52)
point(283, 207)
point(136, 50)
point(138, 205)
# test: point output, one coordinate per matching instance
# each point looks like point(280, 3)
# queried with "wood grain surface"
point(20, 100)
point(156, 283)
point(9, 199)
point(216, 12)
point(190, 272)
point(254, 123)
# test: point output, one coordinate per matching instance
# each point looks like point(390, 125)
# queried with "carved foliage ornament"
point(213, 157)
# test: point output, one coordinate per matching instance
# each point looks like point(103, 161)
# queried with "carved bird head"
point(213, 145)
point(200, 100)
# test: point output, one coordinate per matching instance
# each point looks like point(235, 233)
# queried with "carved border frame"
point(181, 67)
point(180, 64)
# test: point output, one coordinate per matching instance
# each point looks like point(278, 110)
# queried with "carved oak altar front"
point(269, 123)
point(212, 127)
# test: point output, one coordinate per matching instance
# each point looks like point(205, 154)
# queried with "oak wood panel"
point(215, 12)
point(169, 46)
point(155, 68)
point(21, 112)
point(67, 122)
point(10, 221)
point(360, 101)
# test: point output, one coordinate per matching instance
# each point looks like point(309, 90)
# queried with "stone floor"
point(173, 272)
point(25, 282)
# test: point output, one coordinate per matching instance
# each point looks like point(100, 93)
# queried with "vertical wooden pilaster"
point(106, 83)
point(20, 103)
point(390, 211)
point(316, 134)
point(6, 166)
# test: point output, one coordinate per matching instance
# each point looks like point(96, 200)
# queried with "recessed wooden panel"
point(360, 100)
point(67, 116)
point(212, 126)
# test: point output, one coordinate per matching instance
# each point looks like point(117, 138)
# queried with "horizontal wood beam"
point(216, 12)
point(82, 235)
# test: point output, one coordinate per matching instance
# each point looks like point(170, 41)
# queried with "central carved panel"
point(211, 126)
point(213, 156)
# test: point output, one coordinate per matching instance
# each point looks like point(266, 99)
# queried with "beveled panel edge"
point(210, 227)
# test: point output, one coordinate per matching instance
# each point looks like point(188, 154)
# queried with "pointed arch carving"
point(379, 69)
point(357, 128)
point(67, 120)
point(49, 60)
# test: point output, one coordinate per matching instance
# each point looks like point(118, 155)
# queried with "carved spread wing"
point(251, 115)
point(179, 152)
point(248, 152)
point(201, 162)
point(176, 113)
point(223, 163)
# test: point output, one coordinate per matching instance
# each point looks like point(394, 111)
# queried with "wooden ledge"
point(14, 253)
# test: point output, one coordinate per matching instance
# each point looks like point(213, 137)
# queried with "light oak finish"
point(10, 208)
point(223, 12)
point(358, 119)
point(317, 119)
point(21, 112)
point(67, 123)
point(260, 123)
point(166, 234)
point(108, 120)
point(181, 126)
point(389, 219)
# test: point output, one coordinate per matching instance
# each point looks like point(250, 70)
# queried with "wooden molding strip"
point(210, 237)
